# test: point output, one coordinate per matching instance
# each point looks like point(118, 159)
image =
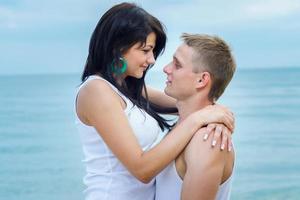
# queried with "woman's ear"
point(203, 79)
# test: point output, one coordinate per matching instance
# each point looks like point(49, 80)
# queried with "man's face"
point(181, 79)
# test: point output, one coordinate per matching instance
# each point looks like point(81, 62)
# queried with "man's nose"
point(167, 69)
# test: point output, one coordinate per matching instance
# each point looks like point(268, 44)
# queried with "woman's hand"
point(220, 133)
point(215, 114)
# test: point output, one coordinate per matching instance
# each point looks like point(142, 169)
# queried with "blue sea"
point(40, 152)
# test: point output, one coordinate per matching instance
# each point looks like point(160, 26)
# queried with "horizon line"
point(76, 73)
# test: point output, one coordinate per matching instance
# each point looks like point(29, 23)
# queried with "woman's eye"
point(146, 50)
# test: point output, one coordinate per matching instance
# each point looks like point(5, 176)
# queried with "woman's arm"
point(99, 106)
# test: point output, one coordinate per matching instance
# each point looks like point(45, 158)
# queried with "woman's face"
point(140, 57)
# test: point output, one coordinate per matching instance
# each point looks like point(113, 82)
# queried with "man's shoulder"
point(203, 151)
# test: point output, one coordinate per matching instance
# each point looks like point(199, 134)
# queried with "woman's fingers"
point(210, 128)
point(229, 143)
point(221, 134)
point(217, 134)
point(226, 138)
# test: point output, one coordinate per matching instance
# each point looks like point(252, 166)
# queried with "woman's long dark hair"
point(120, 28)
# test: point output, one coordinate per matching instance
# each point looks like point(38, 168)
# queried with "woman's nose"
point(151, 59)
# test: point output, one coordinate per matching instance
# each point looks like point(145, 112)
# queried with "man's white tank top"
point(106, 177)
point(169, 183)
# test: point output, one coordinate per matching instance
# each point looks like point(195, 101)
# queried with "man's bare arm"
point(204, 169)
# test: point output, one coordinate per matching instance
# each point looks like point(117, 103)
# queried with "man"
point(201, 69)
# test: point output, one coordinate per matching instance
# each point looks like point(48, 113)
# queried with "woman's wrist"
point(196, 120)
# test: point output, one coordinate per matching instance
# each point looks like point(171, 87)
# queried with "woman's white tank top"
point(106, 178)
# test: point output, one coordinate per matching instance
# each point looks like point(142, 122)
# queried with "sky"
point(39, 36)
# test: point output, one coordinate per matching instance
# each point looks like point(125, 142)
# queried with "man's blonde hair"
point(214, 56)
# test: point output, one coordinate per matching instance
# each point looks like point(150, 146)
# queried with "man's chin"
point(167, 92)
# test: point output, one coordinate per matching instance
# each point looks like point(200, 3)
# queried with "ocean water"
point(40, 152)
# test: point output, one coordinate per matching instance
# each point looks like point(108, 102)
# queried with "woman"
point(117, 123)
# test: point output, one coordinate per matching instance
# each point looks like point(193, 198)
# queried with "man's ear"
point(203, 79)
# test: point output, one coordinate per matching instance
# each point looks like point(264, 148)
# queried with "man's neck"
point(190, 105)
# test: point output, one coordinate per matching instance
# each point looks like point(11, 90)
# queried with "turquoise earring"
point(120, 67)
